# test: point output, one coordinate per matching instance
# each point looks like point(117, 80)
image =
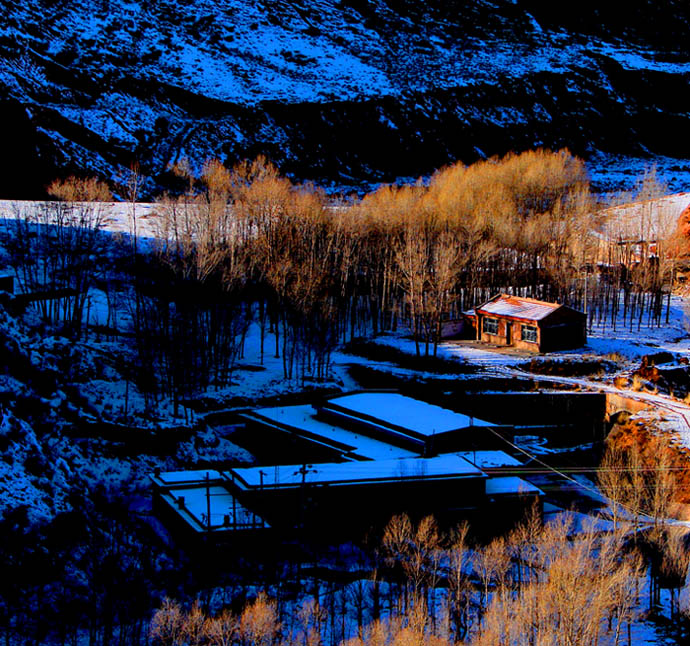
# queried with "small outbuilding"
point(202, 506)
point(529, 324)
point(6, 282)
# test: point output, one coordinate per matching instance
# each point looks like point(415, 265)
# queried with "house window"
point(490, 326)
point(529, 333)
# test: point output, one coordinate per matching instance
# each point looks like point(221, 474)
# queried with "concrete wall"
point(350, 509)
point(583, 412)
point(616, 402)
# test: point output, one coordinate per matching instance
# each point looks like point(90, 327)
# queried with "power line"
point(638, 513)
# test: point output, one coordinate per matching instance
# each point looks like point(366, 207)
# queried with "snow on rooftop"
point(490, 459)
point(302, 417)
point(518, 307)
point(174, 477)
point(222, 504)
point(510, 485)
point(412, 414)
point(445, 466)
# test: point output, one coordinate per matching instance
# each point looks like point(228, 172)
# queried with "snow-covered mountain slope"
point(347, 91)
point(58, 401)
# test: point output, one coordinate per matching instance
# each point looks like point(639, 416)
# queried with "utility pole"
point(303, 470)
point(208, 502)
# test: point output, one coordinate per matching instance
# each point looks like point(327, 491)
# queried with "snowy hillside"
point(96, 85)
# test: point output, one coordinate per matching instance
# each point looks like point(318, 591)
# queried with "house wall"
point(452, 329)
point(563, 330)
point(565, 337)
point(464, 327)
point(528, 346)
point(495, 339)
point(554, 408)
point(508, 328)
point(468, 439)
point(494, 517)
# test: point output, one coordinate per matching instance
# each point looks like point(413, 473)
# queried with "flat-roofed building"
point(389, 454)
point(407, 422)
point(323, 437)
point(344, 499)
point(354, 495)
point(201, 503)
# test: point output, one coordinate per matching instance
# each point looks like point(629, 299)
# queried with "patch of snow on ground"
point(613, 172)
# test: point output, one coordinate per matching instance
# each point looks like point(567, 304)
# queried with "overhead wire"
point(580, 485)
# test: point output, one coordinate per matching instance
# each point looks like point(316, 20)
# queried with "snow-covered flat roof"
point(222, 503)
point(186, 477)
point(445, 466)
point(405, 412)
point(504, 485)
point(518, 307)
point(490, 459)
point(302, 417)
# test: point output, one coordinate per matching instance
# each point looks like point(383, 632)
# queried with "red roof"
point(518, 307)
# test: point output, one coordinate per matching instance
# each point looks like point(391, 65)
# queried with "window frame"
point(523, 328)
point(486, 320)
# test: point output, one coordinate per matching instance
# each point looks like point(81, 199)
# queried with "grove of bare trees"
point(541, 584)
point(241, 246)
point(56, 249)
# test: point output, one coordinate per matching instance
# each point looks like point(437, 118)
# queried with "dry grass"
point(616, 357)
point(566, 368)
point(620, 382)
point(637, 383)
point(646, 439)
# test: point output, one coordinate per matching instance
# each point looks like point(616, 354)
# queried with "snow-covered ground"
point(623, 345)
point(644, 219)
point(117, 217)
point(246, 53)
point(107, 395)
point(615, 173)
point(647, 220)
